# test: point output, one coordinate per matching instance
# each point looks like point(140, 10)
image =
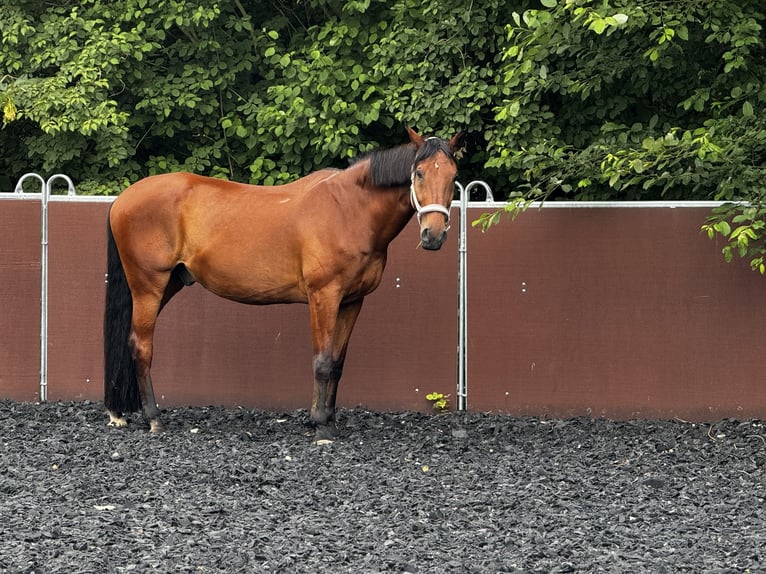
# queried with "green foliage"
point(742, 227)
point(632, 100)
point(111, 91)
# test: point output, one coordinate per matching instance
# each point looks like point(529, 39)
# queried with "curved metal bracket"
point(20, 185)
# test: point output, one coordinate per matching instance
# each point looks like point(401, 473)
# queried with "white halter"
point(422, 209)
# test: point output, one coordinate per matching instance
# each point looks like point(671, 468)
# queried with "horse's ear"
point(456, 143)
point(415, 137)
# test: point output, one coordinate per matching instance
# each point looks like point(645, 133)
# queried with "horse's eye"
point(419, 174)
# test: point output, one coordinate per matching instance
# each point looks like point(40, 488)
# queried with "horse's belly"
point(258, 295)
point(254, 286)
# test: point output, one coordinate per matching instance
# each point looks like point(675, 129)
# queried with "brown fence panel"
point(19, 299)
point(404, 343)
point(76, 267)
point(614, 312)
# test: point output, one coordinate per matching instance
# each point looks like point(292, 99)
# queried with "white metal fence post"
point(462, 304)
point(45, 193)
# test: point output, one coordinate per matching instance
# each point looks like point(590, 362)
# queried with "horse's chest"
point(368, 278)
point(351, 275)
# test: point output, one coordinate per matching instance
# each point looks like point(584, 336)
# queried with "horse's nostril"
point(432, 241)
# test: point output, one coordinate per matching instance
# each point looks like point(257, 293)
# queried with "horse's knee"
point(323, 368)
point(327, 369)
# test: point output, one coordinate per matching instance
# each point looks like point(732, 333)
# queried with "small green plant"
point(439, 401)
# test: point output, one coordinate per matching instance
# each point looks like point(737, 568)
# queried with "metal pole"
point(43, 279)
point(44, 282)
point(462, 313)
point(45, 191)
point(462, 339)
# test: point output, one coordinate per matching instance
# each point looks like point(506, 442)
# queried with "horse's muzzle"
point(432, 240)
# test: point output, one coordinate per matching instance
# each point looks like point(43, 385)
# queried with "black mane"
point(393, 167)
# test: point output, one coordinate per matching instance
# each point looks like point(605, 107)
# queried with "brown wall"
point(76, 267)
point(617, 312)
point(19, 299)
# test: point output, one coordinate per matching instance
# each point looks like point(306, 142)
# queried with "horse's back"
point(168, 187)
point(240, 241)
point(169, 198)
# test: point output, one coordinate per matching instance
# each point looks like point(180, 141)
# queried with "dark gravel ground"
point(234, 490)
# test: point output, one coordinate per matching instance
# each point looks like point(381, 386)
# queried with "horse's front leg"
point(331, 328)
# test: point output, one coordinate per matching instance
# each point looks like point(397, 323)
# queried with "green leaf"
point(621, 19)
point(723, 228)
point(598, 25)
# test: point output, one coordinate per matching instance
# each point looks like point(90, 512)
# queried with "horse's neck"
point(385, 211)
point(399, 214)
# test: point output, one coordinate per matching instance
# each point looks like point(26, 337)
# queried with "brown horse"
point(320, 240)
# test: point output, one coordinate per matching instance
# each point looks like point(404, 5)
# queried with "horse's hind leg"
point(142, 342)
point(146, 308)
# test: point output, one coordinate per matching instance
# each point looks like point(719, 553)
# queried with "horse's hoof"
point(116, 420)
point(156, 426)
point(326, 434)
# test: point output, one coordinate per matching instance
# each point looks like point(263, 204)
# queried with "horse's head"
point(433, 185)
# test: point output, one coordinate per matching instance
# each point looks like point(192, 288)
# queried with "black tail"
point(120, 383)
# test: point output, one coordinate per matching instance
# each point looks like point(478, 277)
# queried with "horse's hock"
point(615, 310)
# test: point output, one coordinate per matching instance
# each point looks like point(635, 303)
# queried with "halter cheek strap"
point(420, 210)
